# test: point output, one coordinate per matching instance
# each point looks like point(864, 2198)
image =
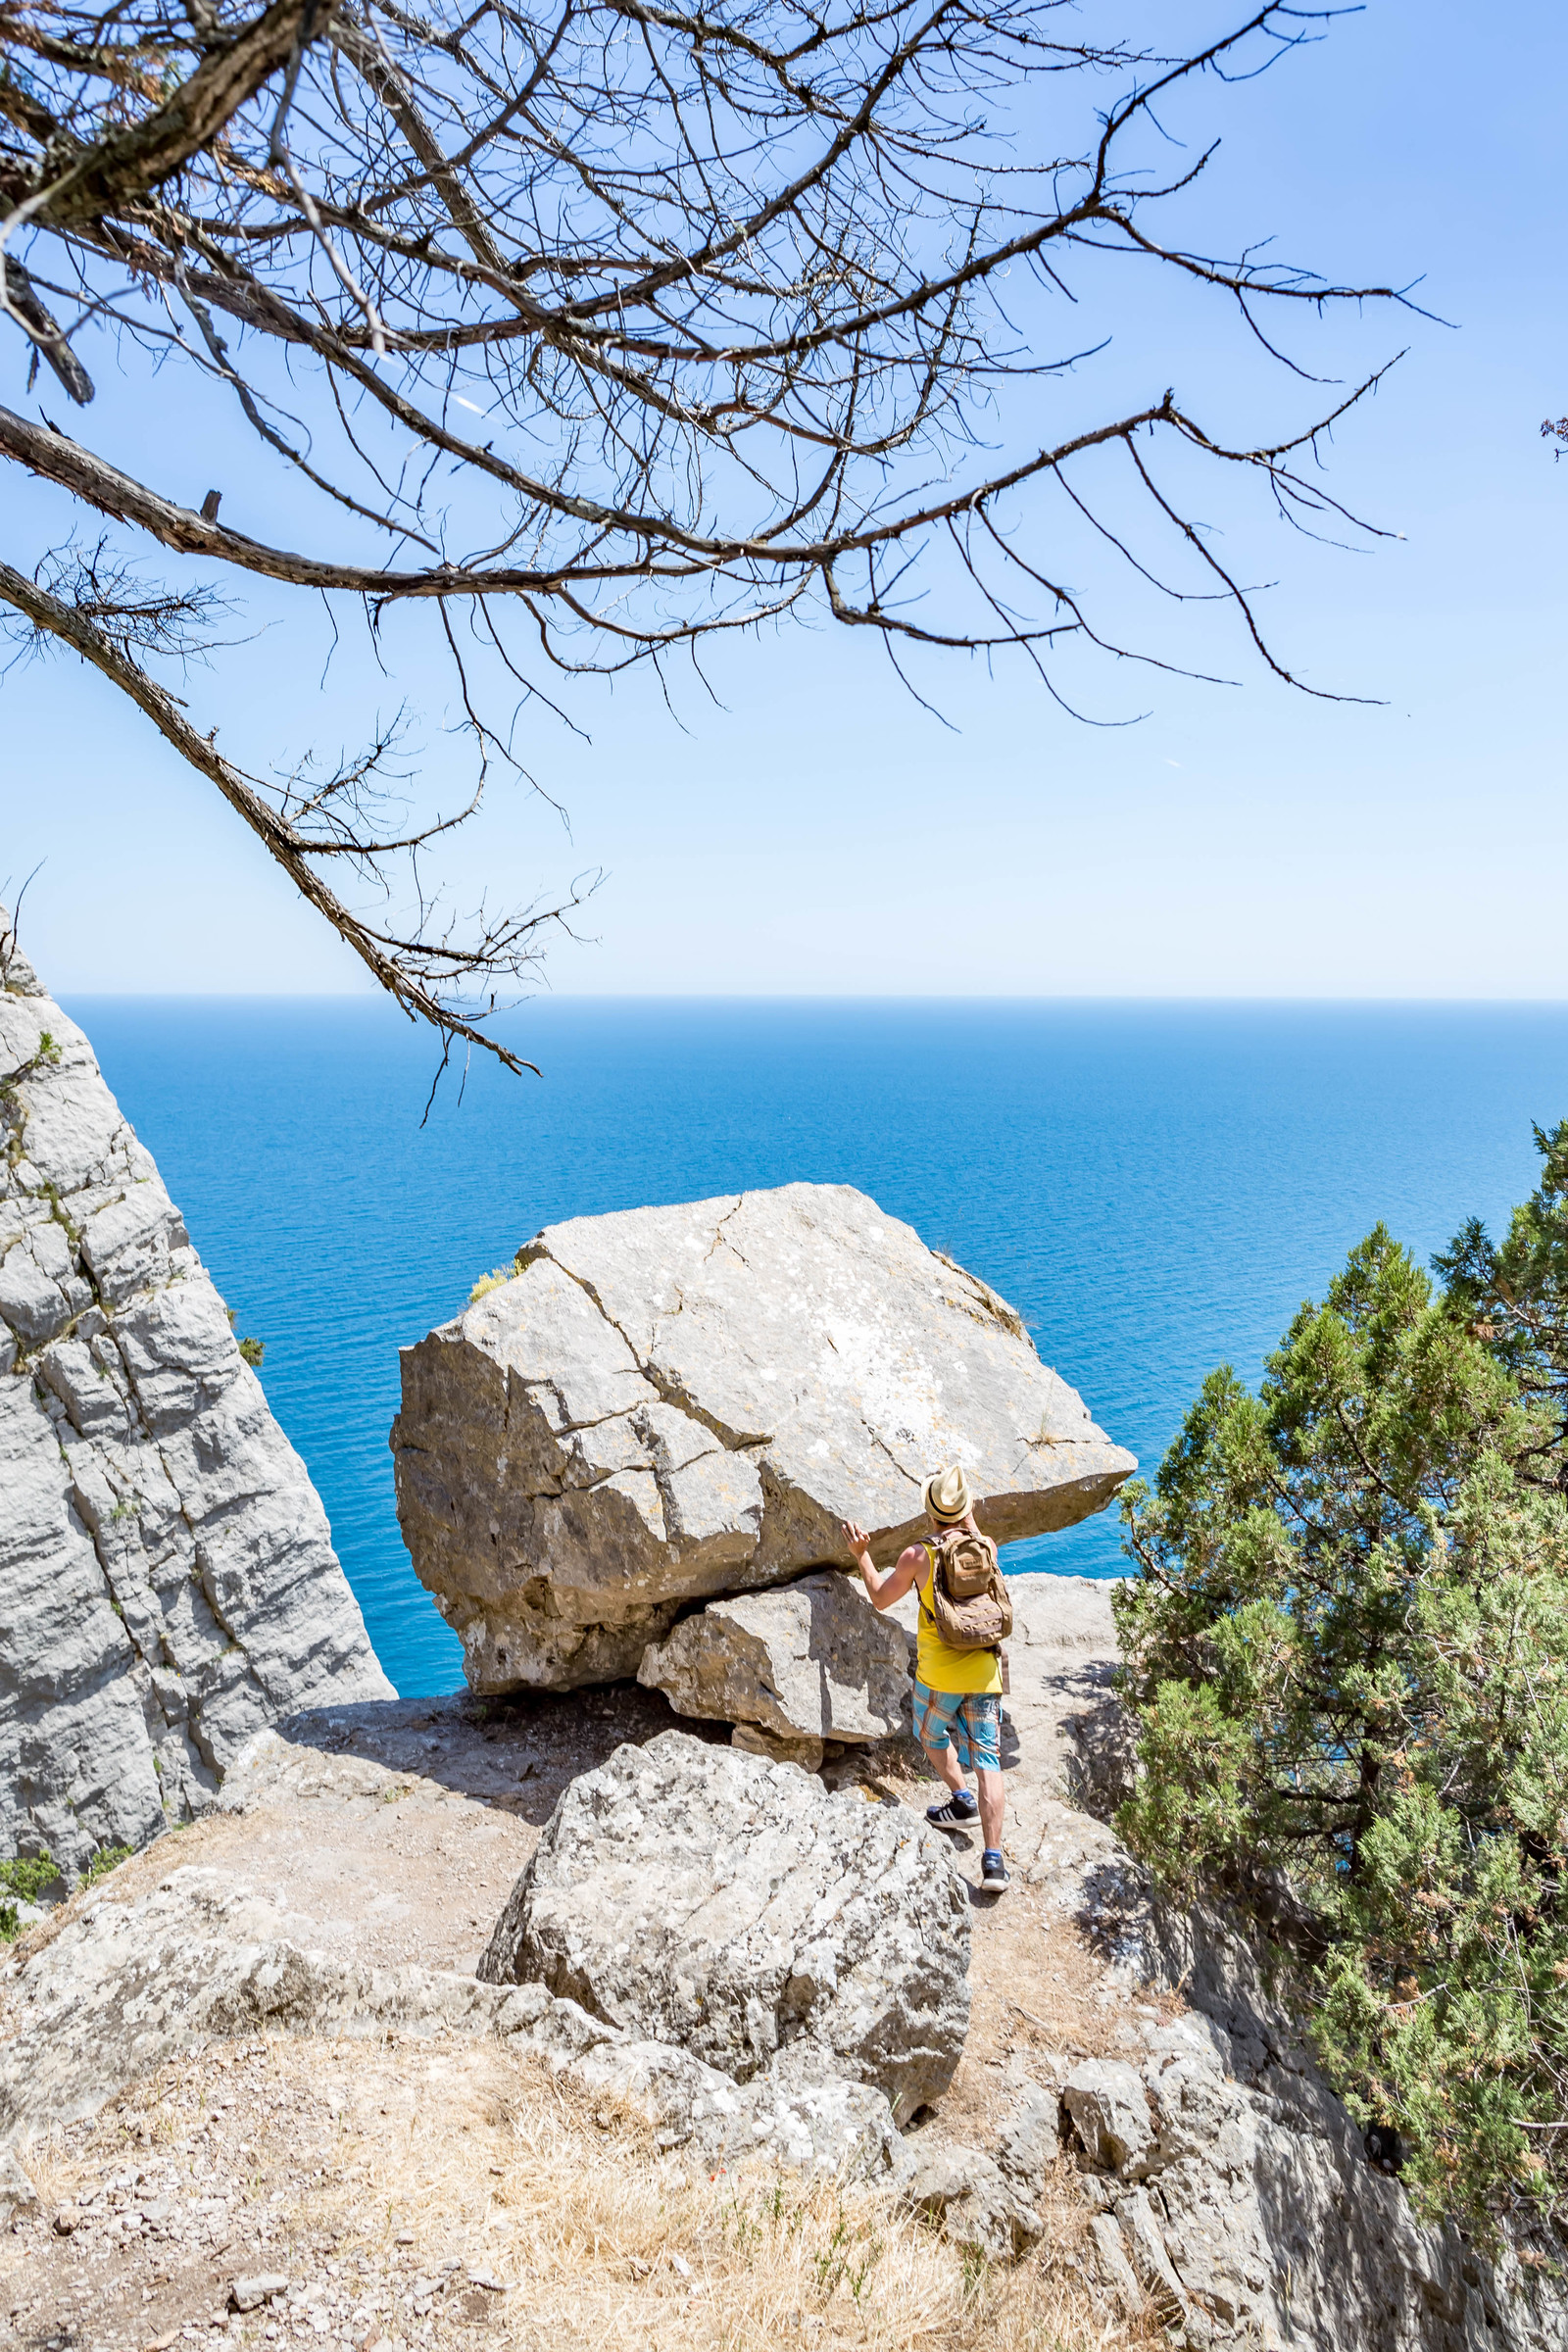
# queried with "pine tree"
point(1346, 1653)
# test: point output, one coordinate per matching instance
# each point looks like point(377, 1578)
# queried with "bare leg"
point(993, 1802)
point(943, 1761)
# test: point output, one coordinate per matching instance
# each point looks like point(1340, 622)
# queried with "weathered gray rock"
point(813, 1660)
point(1029, 2141)
point(126, 1986)
point(168, 1584)
point(1107, 2102)
point(1144, 2239)
point(262, 2286)
point(845, 2128)
point(673, 1403)
point(701, 1896)
point(969, 2195)
point(1113, 2265)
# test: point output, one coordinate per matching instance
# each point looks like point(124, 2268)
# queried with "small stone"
point(67, 2220)
point(18, 2196)
point(248, 2294)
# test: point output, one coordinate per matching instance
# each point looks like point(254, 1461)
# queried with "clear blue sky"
point(819, 833)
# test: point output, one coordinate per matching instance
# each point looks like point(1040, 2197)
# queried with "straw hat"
point(946, 1496)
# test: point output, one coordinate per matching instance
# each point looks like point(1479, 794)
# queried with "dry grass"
point(358, 2169)
point(592, 2224)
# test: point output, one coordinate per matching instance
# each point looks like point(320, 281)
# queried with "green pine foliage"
point(1515, 1297)
point(1346, 1653)
point(105, 1859)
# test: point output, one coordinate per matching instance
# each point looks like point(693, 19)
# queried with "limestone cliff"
point(168, 1584)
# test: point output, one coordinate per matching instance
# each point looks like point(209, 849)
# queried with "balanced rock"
point(166, 1575)
point(811, 1661)
point(670, 1404)
point(697, 1894)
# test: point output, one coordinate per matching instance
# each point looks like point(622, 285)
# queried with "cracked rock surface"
point(705, 1896)
point(168, 1584)
point(813, 1660)
point(670, 1404)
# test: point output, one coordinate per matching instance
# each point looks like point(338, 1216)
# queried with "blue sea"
point(1155, 1187)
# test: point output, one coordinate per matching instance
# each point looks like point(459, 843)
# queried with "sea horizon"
point(1155, 1183)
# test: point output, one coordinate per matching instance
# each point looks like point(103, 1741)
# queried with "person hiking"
point(957, 1674)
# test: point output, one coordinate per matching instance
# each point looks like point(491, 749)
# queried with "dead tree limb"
point(631, 324)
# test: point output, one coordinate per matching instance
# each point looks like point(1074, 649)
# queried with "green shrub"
point(251, 1351)
point(105, 1859)
point(1346, 1653)
point(23, 1881)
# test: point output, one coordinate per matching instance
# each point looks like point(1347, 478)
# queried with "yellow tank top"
point(940, 1668)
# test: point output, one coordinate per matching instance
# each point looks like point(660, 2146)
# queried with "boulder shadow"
point(516, 1753)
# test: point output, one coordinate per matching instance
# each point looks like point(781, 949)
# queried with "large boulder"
point(168, 1584)
point(701, 1896)
point(670, 1404)
point(811, 1661)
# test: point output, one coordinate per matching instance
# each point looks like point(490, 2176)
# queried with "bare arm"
point(885, 1585)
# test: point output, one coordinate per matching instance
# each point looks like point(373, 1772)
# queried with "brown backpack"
point(968, 1592)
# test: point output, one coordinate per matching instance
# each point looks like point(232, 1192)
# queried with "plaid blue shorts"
point(971, 1718)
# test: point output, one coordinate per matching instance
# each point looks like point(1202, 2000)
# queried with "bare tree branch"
point(632, 324)
point(422, 973)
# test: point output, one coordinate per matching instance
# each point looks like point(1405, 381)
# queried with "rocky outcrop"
point(700, 1896)
point(1232, 2195)
point(168, 1584)
point(127, 1985)
point(810, 1662)
point(123, 1988)
point(669, 1404)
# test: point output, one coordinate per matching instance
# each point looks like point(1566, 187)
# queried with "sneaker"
point(994, 1869)
point(956, 1812)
